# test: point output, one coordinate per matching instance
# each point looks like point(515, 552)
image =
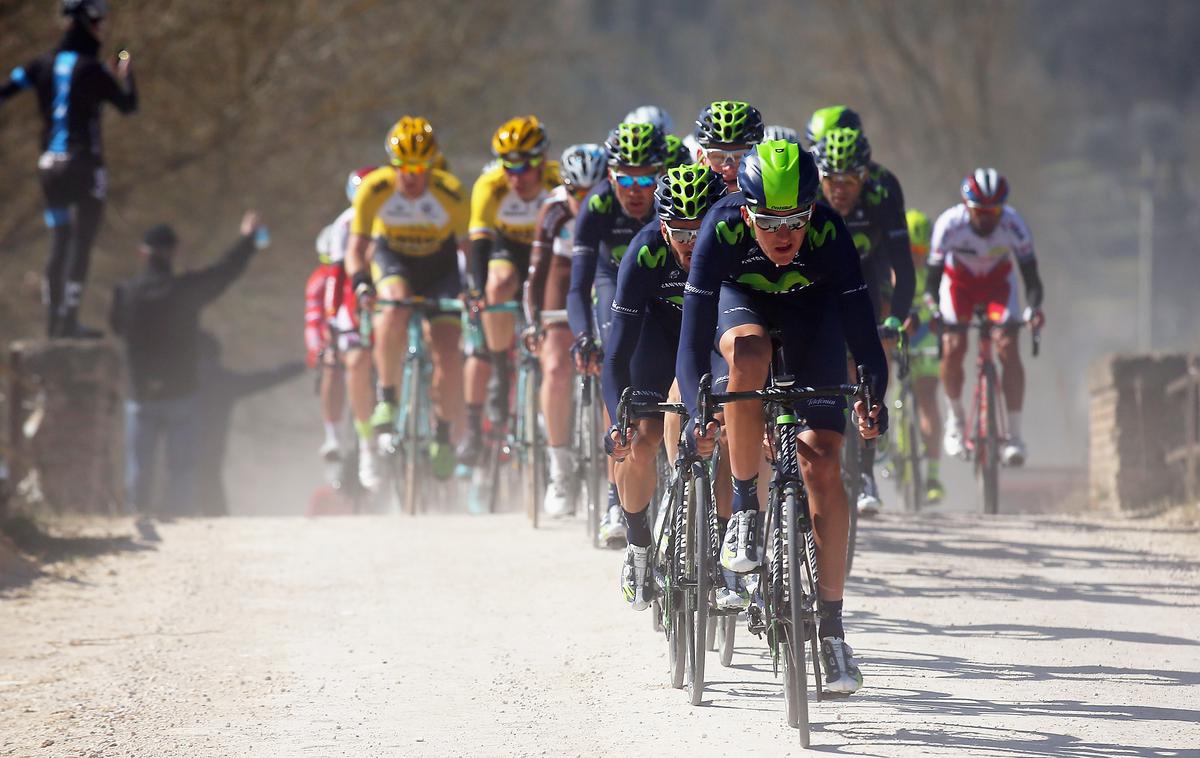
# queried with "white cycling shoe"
point(1013, 451)
point(952, 440)
point(739, 549)
point(557, 502)
point(734, 594)
point(612, 527)
point(635, 577)
point(331, 451)
point(368, 466)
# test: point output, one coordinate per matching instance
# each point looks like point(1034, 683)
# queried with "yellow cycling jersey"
point(413, 227)
point(497, 212)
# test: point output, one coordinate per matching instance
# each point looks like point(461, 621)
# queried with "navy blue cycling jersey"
point(825, 275)
point(649, 292)
point(879, 229)
point(603, 231)
point(71, 84)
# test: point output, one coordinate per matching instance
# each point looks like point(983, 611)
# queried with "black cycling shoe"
point(470, 449)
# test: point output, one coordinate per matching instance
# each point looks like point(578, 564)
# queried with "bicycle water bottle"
point(262, 238)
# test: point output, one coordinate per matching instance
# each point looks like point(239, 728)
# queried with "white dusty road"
point(451, 635)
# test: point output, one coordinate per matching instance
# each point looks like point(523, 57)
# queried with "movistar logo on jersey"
point(618, 252)
point(600, 203)
point(731, 236)
point(676, 300)
point(818, 235)
point(877, 195)
point(862, 242)
point(648, 258)
point(789, 281)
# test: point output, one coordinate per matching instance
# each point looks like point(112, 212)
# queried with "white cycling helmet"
point(693, 146)
point(651, 114)
point(583, 165)
point(325, 245)
point(775, 131)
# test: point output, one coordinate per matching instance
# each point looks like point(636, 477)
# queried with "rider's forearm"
point(623, 338)
point(579, 296)
point(905, 276)
point(477, 262)
point(535, 282)
point(356, 254)
point(862, 336)
point(933, 280)
point(1033, 284)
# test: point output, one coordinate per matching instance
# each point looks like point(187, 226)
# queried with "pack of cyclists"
point(651, 260)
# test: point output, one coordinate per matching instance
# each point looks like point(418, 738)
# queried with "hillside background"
point(270, 104)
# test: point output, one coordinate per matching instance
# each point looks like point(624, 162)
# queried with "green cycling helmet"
point(842, 149)
point(729, 122)
point(920, 231)
point(687, 192)
point(778, 176)
point(677, 152)
point(633, 144)
point(832, 117)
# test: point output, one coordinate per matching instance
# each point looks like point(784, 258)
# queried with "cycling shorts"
point(922, 354)
point(960, 293)
point(813, 344)
point(429, 276)
point(508, 253)
point(652, 371)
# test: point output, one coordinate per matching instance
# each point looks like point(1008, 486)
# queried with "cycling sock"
point(932, 472)
point(614, 497)
point(365, 431)
point(443, 431)
point(1014, 423)
point(560, 461)
point(868, 461)
point(387, 395)
point(831, 620)
point(956, 409)
point(475, 418)
point(745, 494)
point(637, 528)
point(331, 433)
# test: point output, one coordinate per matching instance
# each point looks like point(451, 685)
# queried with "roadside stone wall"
point(1132, 427)
point(64, 429)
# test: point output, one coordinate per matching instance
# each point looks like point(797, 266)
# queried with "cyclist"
point(725, 131)
point(974, 244)
point(612, 214)
point(923, 364)
point(317, 344)
point(71, 84)
point(875, 220)
point(651, 114)
point(415, 214)
point(677, 153)
point(340, 336)
point(582, 167)
point(505, 202)
point(641, 351)
point(841, 117)
point(776, 131)
point(770, 258)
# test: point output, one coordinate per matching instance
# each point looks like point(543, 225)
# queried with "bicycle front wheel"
point(703, 567)
point(987, 462)
point(794, 668)
point(911, 474)
point(412, 427)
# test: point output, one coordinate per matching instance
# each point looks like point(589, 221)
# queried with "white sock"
point(331, 432)
point(560, 461)
point(1014, 424)
point(956, 409)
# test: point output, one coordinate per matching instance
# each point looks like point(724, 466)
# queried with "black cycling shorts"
point(435, 275)
point(813, 343)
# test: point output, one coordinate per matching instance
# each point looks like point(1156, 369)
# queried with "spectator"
point(157, 315)
point(220, 390)
point(71, 84)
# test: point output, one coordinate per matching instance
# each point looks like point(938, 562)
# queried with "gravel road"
point(452, 635)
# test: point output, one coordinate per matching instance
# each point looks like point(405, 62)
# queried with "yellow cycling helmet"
point(520, 136)
point(411, 140)
point(919, 231)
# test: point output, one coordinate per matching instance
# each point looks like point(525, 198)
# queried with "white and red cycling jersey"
point(331, 308)
point(979, 270)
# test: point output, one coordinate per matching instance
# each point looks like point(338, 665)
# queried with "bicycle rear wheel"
point(674, 603)
point(701, 549)
point(534, 461)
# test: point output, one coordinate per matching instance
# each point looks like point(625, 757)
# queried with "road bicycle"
point(788, 605)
